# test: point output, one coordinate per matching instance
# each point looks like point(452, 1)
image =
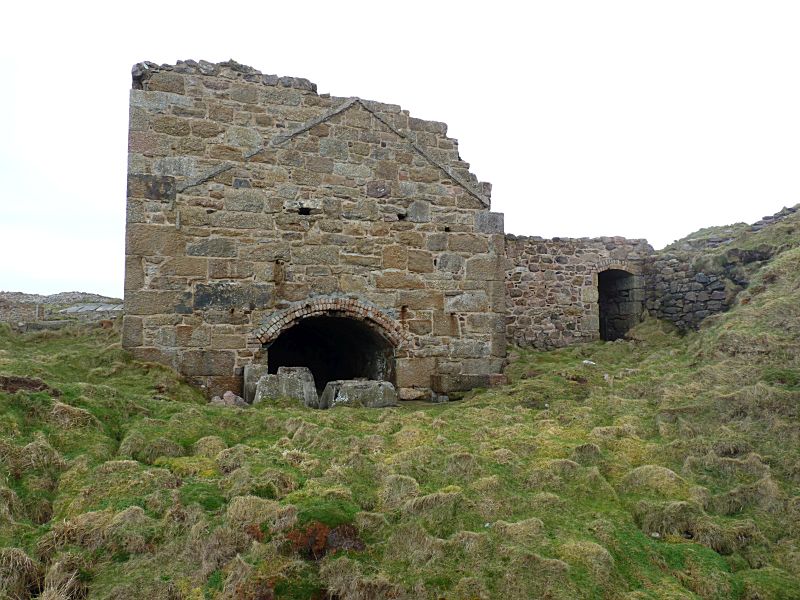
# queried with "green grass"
point(669, 468)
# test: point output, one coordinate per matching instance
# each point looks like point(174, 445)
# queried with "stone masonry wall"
point(700, 276)
point(552, 286)
point(677, 292)
point(19, 312)
point(254, 201)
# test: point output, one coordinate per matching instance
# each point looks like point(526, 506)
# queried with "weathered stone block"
point(353, 171)
point(134, 273)
point(315, 255)
point(153, 354)
point(398, 280)
point(155, 101)
point(246, 200)
point(224, 268)
point(187, 266)
point(458, 383)
point(352, 283)
point(419, 326)
point(243, 137)
point(247, 94)
point(445, 324)
point(240, 220)
point(334, 148)
point(421, 299)
point(228, 341)
point(154, 302)
point(485, 268)
point(395, 257)
point(296, 383)
point(205, 129)
point(132, 331)
point(358, 393)
point(450, 263)
point(415, 372)
point(419, 211)
point(468, 242)
point(252, 374)
point(151, 187)
point(474, 301)
point(232, 295)
point(266, 251)
point(222, 247)
point(166, 81)
point(420, 261)
point(377, 189)
point(206, 362)
point(171, 125)
point(363, 260)
point(489, 222)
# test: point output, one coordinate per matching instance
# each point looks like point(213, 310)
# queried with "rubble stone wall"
point(679, 293)
point(251, 197)
point(552, 286)
point(20, 312)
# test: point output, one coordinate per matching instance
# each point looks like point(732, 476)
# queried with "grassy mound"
point(668, 468)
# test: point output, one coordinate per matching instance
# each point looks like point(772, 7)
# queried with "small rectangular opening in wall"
point(304, 210)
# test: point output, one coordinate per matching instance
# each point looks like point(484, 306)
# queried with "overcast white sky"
point(635, 118)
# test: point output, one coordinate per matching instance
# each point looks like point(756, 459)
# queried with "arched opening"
point(620, 305)
point(333, 348)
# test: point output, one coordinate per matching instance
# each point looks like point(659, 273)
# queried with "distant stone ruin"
point(28, 312)
point(270, 226)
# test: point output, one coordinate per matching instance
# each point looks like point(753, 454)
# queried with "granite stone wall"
point(552, 287)
point(679, 293)
point(255, 202)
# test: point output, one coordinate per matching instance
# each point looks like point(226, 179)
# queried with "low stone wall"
point(552, 286)
point(18, 312)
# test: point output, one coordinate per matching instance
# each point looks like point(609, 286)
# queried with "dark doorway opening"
point(333, 348)
point(620, 306)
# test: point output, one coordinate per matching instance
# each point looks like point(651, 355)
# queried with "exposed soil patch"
point(14, 383)
point(317, 540)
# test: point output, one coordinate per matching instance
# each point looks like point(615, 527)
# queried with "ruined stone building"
point(269, 225)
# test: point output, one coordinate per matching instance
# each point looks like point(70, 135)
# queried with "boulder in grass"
point(358, 393)
point(289, 382)
point(229, 399)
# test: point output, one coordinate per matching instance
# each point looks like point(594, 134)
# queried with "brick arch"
point(634, 268)
point(385, 325)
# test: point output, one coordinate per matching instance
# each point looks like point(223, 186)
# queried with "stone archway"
point(333, 348)
point(620, 296)
point(336, 338)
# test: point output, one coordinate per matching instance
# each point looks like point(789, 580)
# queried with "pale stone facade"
point(256, 204)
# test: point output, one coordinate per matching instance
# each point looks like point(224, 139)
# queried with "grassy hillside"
point(665, 467)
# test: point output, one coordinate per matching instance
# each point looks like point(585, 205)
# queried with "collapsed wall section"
point(254, 202)
point(553, 288)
